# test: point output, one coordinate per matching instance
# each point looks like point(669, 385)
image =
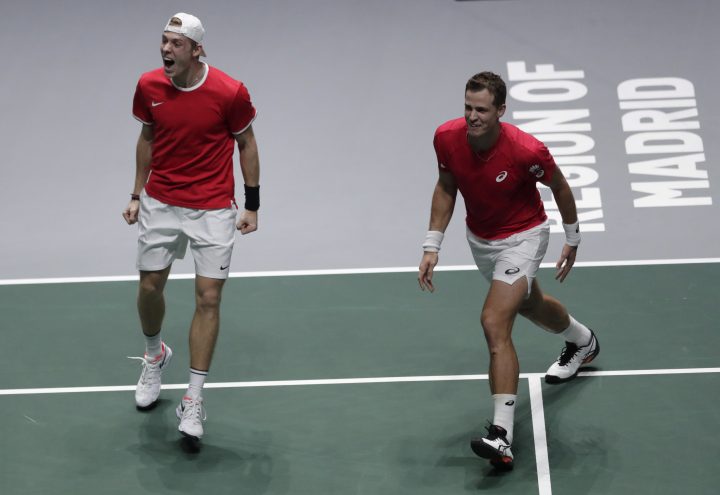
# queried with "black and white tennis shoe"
point(494, 447)
point(571, 359)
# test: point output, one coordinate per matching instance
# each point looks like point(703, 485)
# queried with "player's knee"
point(149, 288)
point(208, 300)
point(492, 319)
point(496, 326)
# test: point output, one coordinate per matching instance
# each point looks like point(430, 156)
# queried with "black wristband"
point(135, 197)
point(252, 198)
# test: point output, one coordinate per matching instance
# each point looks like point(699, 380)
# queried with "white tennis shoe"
point(571, 359)
point(191, 414)
point(148, 387)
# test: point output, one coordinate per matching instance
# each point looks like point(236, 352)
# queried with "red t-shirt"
point(499, 185)
point(193, 142)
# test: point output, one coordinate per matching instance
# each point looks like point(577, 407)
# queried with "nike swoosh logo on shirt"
point(156, 103)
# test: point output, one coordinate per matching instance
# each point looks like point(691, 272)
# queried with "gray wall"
point(349, 94)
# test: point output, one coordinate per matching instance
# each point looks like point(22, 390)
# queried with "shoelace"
point(194, 410)
point(147, 364)
point(567, 353)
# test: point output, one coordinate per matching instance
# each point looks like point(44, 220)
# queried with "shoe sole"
point(500, 462)
point(149, 407)
point(188, 435)
point(503, 463)
point(588, 359)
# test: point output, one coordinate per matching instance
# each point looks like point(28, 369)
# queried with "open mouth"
point(168, 63)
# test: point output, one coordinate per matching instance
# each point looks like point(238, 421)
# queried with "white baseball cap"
point(189, 26)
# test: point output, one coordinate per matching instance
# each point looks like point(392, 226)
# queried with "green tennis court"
point(362, 384)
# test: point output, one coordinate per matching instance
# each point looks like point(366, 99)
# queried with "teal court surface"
point(362, 384)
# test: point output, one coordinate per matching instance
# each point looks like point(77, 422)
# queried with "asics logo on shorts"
point(512, 271)
point(501, 176)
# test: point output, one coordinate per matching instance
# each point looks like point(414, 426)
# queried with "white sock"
point(153, 345)
point(577, 333)
point(197, 380)
point(505, 412)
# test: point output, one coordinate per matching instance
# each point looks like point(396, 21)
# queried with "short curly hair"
point(490, 81)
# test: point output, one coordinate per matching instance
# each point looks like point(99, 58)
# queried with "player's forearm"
point(250, 162)
point(443, 205)
point(566, 204)
point(143, 157)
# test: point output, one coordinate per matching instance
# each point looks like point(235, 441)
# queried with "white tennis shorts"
point(511, 258)
point(164, 232)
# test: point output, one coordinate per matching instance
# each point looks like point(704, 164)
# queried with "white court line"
point(345, 271)
point(541, 450)
point(534, 383)
point(274, 383)
point(347, 381)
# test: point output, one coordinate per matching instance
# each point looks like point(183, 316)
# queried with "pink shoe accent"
point(159, 356)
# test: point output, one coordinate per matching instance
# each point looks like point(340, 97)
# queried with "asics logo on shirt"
point(501, 176)
point(156, 103)
point(537, 171)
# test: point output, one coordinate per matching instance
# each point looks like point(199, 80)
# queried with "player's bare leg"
point(581, 344)
point(544, 310)
point(151, 301)
point(204, 331)
point(206, 321)
point(151, 309)
point(498, 315)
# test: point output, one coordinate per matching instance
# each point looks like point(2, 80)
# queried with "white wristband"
point(572, 233)
point(433, 239)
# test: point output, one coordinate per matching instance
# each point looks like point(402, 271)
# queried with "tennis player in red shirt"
point(192, 115)
point(496, 167)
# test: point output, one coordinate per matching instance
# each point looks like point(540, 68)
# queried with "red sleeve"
point(545, 168)
point(439, 152)
point(140, 107)
point(241, 112)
